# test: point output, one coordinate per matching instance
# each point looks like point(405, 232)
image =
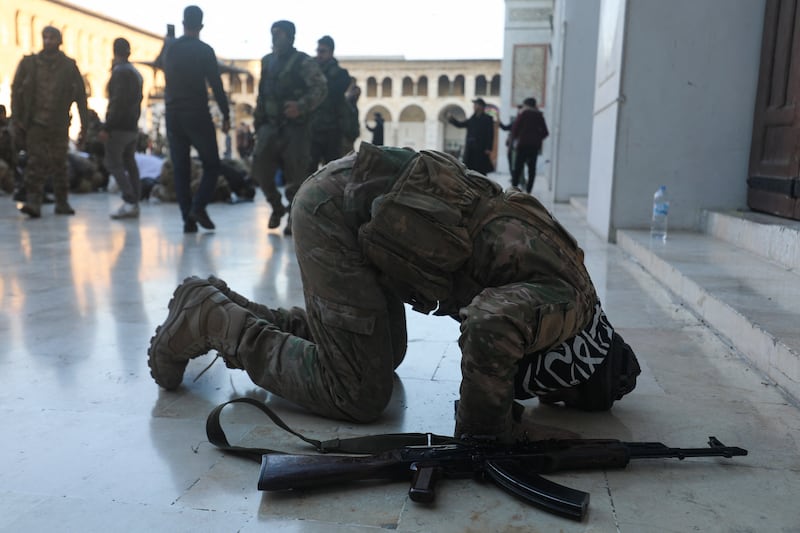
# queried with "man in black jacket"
point(480, 138)
point(121, 129)
point(328, 120)
point(188, 64)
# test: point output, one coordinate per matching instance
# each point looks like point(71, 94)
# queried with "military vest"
point(421, 232)
point(286, 84)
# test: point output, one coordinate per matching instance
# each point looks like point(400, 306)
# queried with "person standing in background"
point(44, 87)
point(189, 64)
point(120, 132)
point(480, 138)
point(377, 131)
point(328, 120)
point(527, 133)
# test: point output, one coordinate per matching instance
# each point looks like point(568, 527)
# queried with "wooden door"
point(774, 177)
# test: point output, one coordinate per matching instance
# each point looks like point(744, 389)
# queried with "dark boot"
point(32, 206)
point(62, 204)
point(200, 318)
point(278, 211)
point(288, 229)
point(63, 208)
point(201, 217)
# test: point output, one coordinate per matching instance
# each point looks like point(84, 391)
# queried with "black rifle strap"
point(368, 444)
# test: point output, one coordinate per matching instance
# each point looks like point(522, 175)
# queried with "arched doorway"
point(411, 127)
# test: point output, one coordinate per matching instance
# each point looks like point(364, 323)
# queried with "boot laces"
point(206, 368)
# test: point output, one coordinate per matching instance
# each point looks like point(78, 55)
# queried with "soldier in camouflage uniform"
point(44, 87)
point(290, 89)
point(386, 226)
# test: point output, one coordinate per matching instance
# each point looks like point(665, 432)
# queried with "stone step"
point(775, 238)
point(751, 300)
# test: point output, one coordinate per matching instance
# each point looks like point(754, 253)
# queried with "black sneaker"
point(190, 226)
point(201, 217)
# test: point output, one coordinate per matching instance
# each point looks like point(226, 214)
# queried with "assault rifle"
point(425, 458)
point(514, 468)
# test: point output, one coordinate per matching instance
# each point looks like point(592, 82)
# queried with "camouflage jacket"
point(296, 77)
point(439, 234)
point(43, 90)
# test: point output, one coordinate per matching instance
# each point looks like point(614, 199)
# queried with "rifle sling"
point(368, 444)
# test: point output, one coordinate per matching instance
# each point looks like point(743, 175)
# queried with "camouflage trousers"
point(337, 357)
point(47, 157)
point(286, 147)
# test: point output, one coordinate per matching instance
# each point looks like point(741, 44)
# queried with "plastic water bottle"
point(658, 226)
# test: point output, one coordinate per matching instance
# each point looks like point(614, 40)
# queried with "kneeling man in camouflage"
point(386, 226)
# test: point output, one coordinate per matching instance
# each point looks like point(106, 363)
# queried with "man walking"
point(189, 64)
point(121, 129)
point(44, 87)
point(527, 134)
point(329, 119)
point(292, 86)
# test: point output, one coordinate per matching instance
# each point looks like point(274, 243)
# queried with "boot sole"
point(30, 211)
point(169, 373)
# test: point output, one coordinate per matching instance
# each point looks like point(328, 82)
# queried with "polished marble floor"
point(90, 443)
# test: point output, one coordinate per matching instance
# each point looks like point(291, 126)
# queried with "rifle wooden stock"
point(288, 471)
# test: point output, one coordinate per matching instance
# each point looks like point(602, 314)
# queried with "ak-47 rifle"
point(426, 458)
point(514, 468)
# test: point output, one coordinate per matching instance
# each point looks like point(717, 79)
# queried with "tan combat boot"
point(200, 318)
point(260, 310)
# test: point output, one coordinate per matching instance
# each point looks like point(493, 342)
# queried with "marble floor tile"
point(90, 443)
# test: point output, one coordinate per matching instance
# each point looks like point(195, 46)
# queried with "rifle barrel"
point(653, 450)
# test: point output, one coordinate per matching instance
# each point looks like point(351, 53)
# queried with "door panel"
point(774, 174)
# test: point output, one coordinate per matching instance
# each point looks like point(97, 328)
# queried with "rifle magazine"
point(539, 491)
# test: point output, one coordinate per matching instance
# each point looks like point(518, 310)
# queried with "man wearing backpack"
point(387, 226)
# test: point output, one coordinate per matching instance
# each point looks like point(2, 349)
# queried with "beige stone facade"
point(88, 39)
point(414, 96)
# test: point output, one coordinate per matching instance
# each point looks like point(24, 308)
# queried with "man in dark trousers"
point(120, 132)
point(480, 137)
point(189, 64)
point(292, 86)
point(527, 133)
point(329, 119)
